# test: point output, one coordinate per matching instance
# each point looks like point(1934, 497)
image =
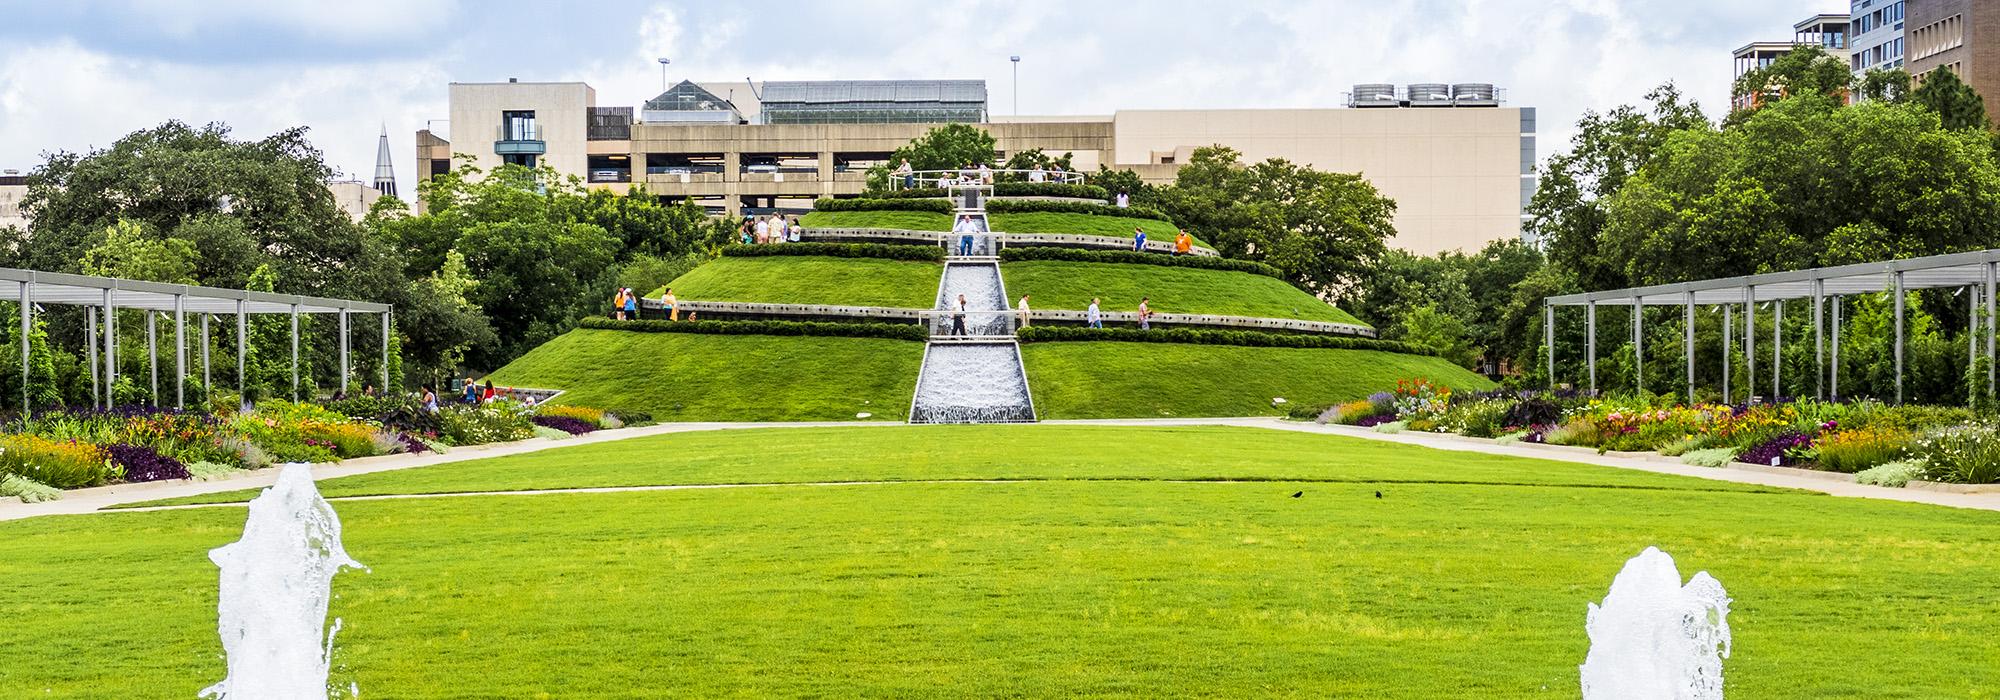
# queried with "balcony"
point(519, 139)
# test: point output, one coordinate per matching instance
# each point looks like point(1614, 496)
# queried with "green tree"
point(536, 279)
point(1444, 332)
point(946, 147)
point(1323, 230)
point(1116, 181)
point(1032, 159)
point(1884, 85)
point(1955, 103)
point(126, 251)
point(1806, 70)
point(441, 323)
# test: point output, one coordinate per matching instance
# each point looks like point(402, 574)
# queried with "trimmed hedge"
point(890, 331)
point(1010, 189)
point(1201, 336)
point(1026, 253)
point(1029, 206)
point(994, 206)
point(916, 253)
point(938, 206)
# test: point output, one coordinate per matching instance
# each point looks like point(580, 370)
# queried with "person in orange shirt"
point(1183, 243)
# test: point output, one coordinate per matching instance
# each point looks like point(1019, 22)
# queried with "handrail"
point(920, 179)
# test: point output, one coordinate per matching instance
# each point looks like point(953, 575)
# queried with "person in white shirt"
point(965, 229)
point(1096, 318)
point(1124, 200)
point(1023, 308)
point(985, 174)
point(763, 230)
point(1038, 175)
point(795, 232)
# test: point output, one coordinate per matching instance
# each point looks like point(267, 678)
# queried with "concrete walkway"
point(95, 499)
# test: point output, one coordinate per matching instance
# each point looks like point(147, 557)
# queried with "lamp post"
point(1017, 83)
point(663, 73)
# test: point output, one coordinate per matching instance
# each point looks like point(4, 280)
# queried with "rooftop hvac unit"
point(1430, 95)
point(1373, 95)
point(1474, 94)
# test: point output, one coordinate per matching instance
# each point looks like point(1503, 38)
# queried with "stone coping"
point(745, 308)
point(1066, 240)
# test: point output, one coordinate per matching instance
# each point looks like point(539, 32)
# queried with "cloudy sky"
point(78, 74)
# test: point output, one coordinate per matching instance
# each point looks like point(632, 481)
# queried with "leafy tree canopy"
point(1957, 105)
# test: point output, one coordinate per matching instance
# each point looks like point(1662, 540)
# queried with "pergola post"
point(1819, 339)
point(1639, 343)
point(1750, 344)
point(1728, 353)
point(90, 345)
point(1687, 304)
point(295, 352)
point(1834, 370)
point(1549, 339)
point(207, 385)
point(180, 351)
point(153, 357)
point(242, 347)
point(1590, 342)
point(27, 328)
point(1899, 337)
point(1990, 274)
point(1777, 348)
point(343, 351)
point(110, 347)
point(1971, 325)
point(385, 351)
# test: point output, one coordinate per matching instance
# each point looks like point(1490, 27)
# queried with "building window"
point(519, 125)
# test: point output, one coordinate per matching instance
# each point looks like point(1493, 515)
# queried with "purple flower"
point(573, 426)
point(1773, 452)
point(141, 463)
point(1376, 420)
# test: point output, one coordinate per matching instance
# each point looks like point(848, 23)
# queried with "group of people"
point(475, 393)
point(1095, 317)
point(760, 230)
point(625, 305)
point(1183, 243)
point(978, 173)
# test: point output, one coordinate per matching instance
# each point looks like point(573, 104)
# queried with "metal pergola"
point(1824, 288)
point(107, 295)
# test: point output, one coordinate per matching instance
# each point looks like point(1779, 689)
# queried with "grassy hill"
point(1070, 285)
point(811, 279)
point(688, 377)
point(1151, 380)
point(1033, 222)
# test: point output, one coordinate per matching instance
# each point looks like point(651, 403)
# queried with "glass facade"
point(874, 102)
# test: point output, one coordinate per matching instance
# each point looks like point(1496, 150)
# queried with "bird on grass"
point(1378, 494)
point(1296, 495)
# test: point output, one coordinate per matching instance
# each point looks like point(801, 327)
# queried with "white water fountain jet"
point(1654, 638)
point(980, 283)
point(276, 583)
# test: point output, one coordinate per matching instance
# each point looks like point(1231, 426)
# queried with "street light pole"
point(663, 74)
point(1017, 83)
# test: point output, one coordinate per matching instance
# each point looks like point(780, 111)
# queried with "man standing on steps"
point(958, 319)
point(1138, 240)
point(965, 229)
point(1145, 314)
point(1023, 308)
point(1096, 319)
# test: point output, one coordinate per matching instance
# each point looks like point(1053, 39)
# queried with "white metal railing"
point(918, 179)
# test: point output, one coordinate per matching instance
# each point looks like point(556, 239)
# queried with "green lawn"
point(691, 377)
point(1034, 222)
point(1177, 290)
point(1033, 589)
point(811, 279)
point(1126, 380)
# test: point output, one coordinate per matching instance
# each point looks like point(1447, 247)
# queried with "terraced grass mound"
point(811, 280)
point(1180, 290)
point(1468, 577)
point(1031, 222)
point(689, 377)
point(1154, 380)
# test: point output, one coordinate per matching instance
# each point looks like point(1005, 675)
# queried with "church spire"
point(385, 175)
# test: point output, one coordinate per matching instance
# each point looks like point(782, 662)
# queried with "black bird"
point(1296, 495)
point(1378, 494)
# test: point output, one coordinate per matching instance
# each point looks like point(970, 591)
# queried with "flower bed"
point(1951, 445)
point(79, 448)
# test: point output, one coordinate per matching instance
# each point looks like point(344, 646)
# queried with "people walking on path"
point(1183, 244)
point(1145, 313)
point(631, 305)
point(487, 394)
point(1096, 318)
point(672, 304)
point(1138, 240)
point(958, 318)
point(618, 304)
point(1023, 309)
point(471, 391)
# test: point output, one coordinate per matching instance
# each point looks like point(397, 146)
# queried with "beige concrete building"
point(13, 187)
point(354, 197)
point(1459, 165)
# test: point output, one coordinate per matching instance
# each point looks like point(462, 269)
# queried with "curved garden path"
point(94, 500)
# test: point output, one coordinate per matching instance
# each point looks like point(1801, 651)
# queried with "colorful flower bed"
point(86, 447)
point(1942, 444)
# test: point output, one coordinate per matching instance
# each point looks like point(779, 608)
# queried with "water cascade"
point(1656, 638)
point(972, 383)
point(980, 283)
point(276, 583)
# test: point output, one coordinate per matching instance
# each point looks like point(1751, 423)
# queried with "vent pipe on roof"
point(513, 80)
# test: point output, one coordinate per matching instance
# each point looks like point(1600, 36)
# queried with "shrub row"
point(891, 331)
point(1011, 189)
point(1203, 336)
point(919, 253)
point(997, 206)
point(1022, 254)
